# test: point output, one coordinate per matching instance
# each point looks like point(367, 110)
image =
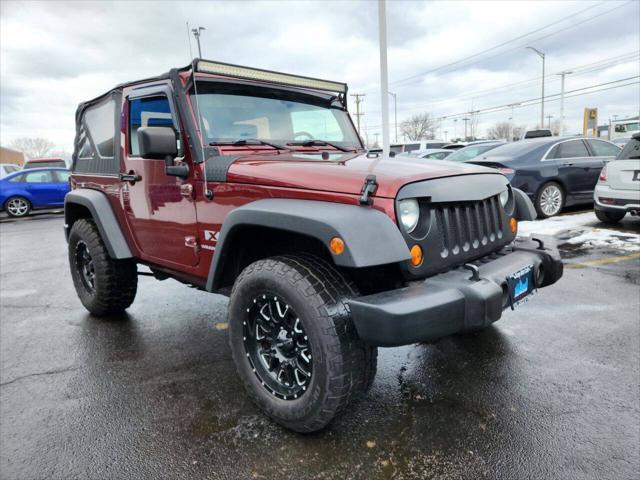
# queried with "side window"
point(147, 112)
point(17, 179)
point(38, 177)
point(571, 149)
point(410, 147)
point(63, 176)
point(603, 149)
point(100, 124)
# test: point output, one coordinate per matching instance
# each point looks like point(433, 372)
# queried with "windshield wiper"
point(250, 141)
point(319, 143)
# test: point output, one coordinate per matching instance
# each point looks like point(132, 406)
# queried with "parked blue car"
point(25, 190)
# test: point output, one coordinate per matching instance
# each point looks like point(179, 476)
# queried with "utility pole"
point(549, 117)
point(445, 135)
point(455, 128)
point(465, 120)
point(562, 75)
point(196, 33)
point(395, 112)
point(376, 143)
point(358, 97)
point(542, 56)
point(384, 77)
point(511, 122)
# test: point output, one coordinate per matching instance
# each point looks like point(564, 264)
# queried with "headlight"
point(504, 198)
point(409, 214)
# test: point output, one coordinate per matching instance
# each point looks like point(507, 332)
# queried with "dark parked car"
point(23, 191)
point(472, 151)
point(555, 172)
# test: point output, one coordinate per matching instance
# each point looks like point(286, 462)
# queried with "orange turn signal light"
point(513, 224)
point(416, 255)
point(336, 245)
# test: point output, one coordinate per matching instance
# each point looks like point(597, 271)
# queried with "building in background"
point(8, 155)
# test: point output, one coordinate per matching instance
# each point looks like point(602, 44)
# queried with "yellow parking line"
point(603, 261)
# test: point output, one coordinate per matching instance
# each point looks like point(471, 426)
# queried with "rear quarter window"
point(603, 149)
point(97, 137)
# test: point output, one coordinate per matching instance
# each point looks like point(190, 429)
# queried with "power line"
point(552, 77)
point(535, 101)
point(411, 79)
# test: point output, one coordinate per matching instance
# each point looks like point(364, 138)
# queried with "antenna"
point(208, 194)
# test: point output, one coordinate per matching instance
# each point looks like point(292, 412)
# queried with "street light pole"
point(395, 112)
point(384, 76)
point(542, 56)
point(562, 75)
point(196, 33)
point(455, 128)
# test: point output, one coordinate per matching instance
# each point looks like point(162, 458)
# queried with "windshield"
point(631, 150)
point(467, 153)
point(236, 112)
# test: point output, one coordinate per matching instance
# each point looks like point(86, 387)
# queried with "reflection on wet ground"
point(550, 391)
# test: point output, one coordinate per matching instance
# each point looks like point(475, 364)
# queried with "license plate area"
point(521, 285)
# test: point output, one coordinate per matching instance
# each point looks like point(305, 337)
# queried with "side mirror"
point(159, 143)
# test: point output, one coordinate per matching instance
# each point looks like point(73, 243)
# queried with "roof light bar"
point(236, 71)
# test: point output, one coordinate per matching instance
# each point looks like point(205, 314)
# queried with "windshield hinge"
point(369, 188)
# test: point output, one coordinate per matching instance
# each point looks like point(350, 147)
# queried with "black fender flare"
point(371, 238)
point(102, 214)
point(524, 206)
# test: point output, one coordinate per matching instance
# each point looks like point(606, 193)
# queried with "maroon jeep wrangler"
point(255, 184)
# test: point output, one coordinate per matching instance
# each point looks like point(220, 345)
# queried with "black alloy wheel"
point(86, 267)
point(277, 347)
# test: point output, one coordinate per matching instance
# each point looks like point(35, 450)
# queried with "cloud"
point(53, 55)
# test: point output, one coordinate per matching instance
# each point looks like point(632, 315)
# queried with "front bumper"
point(454, 301)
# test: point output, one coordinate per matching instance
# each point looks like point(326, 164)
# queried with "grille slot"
point(466, 227)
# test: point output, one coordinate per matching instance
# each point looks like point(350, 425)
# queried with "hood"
point(342, 173)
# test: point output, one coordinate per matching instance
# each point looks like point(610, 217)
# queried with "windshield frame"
point(217, 85)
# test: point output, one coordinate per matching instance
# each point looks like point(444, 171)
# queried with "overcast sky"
point(54, 55)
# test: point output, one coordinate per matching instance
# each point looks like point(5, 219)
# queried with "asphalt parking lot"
point(550, 391)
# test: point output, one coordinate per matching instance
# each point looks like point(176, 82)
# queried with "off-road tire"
point(116, 281)
point(610, 218)
point(13, 212)
point(539, 199)
point(343, 366)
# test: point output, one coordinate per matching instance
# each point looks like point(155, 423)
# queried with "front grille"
point(465, 227)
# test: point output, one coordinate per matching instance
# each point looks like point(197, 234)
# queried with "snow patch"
point(582, 229)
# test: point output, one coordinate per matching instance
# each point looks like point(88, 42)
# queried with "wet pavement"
point(550, 391)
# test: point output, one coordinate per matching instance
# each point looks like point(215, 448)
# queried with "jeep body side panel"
point(102, 214)
point(370, 236)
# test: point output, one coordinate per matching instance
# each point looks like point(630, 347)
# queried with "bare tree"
point(33, 147)
point(418, 127)
point(518, 131)
point(499, 131)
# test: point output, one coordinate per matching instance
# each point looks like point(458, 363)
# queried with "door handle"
point(568, 164)
point(130, 177)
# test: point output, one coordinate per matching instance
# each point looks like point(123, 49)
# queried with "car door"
point(160, 209)
point(578, 170)
point(42, 187)
point(62, 183)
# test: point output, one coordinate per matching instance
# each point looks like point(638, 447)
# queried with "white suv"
point(618, 190)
